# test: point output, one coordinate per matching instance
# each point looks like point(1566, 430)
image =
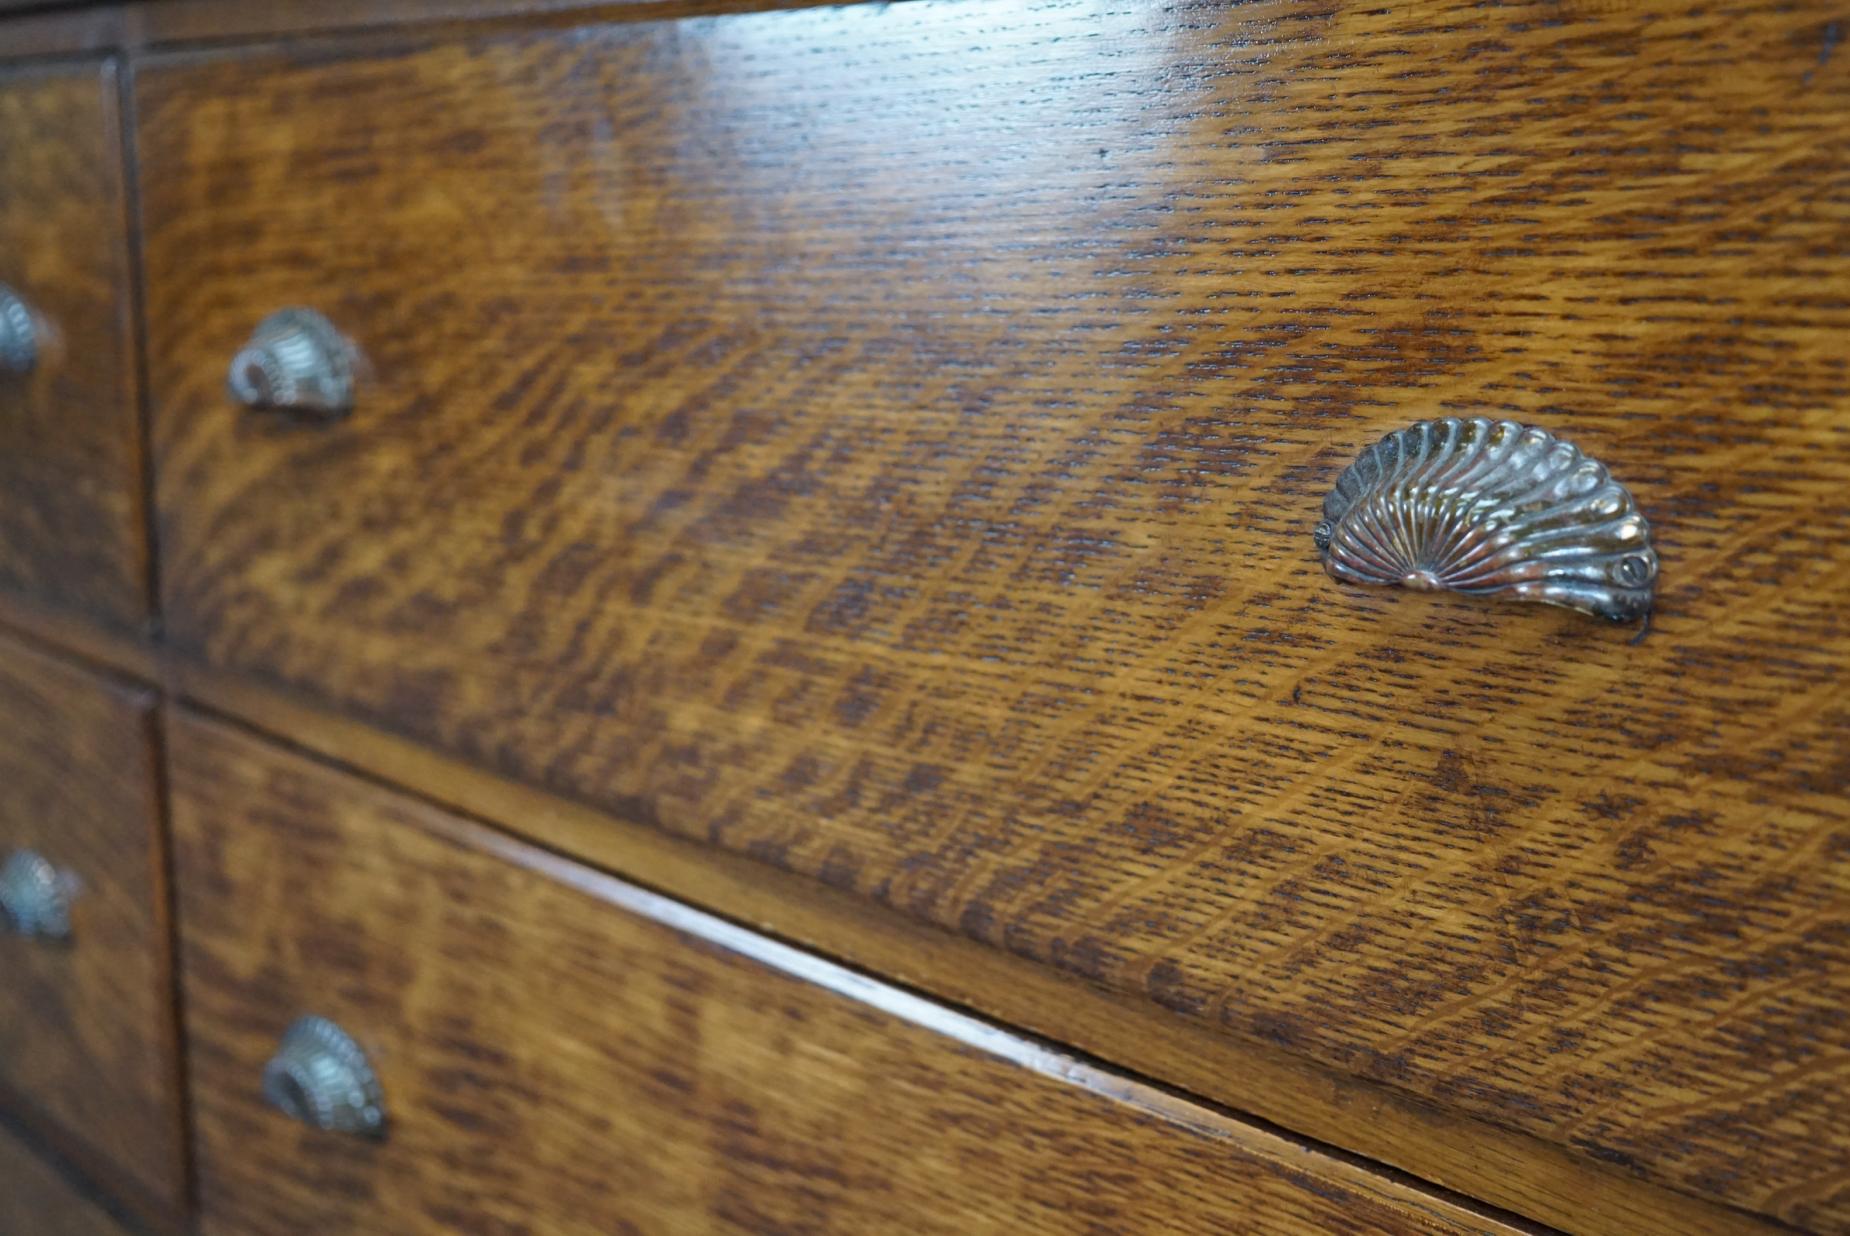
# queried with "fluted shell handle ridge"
point(322, 1078)
point(295, 361)
point(35, 897)
point(19, 337)
point(1479, 506)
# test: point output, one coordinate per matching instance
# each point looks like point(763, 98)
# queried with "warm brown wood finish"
point(564, 1053)
point(143, 24)
point(885, 442)
point(70, 455)
point(35, 1200)
point(114, 652)
point(1513, 1170)
point(87, 1027)
point(61, 32)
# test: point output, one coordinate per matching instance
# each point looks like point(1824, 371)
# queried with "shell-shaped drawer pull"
point(322, 1078)
point(1480, 506)
point(35, 897)
point(296, 361)
point(19, 334)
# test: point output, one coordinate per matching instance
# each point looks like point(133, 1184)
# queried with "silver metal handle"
point(295, 361)
point(322, 1078)
point(19, 334)
point(1481, 506)
point(35, 897)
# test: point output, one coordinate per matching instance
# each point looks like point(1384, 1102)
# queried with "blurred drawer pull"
point(86, 1040)
point(295, 361)
point(322, 1078)
point(1480, 506)
point(35, 897)
point(19, 341)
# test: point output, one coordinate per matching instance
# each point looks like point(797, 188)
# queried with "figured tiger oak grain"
point(1471, 1157)
point(564, 1053)
point(87, 1027)
point(885, 443)
point(71, 529)
point(35, 1200)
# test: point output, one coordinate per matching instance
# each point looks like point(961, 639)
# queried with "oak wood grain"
point(87, 1029)
point(562, 1052)
point(35, 1200)
point(141, 25)
point(1505, 1168)
point(885, 443)
point(71, 505)
point(1471, 1157)
point(117, 653)
point(91, 1170)
point(194, 21)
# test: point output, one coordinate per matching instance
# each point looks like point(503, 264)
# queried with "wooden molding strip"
point(115, 652)
point(217, 747)
point(1510, 1170)
point(114, 1191)
point(1460, 1155)
point(157, 24)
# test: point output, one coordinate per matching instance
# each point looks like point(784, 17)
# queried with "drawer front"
point(36, 1200)
point(86, 1019)
point(71, 527)
point(560, 1052)
point(886, 441)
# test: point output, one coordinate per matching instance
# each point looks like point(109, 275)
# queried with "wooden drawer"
point(86, 1022)
point(886, 441)
point(71, 528)
point(36, 1200)
point(560, 1052)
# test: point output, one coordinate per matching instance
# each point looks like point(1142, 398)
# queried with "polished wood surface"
point(1503, 1167)
point(70, 452)
point(562, 1052)
point(36, 1200)
point(87, 1027)
point(1509, 1169)
point(113, 652)
point(141, 25)
point(885, 443)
